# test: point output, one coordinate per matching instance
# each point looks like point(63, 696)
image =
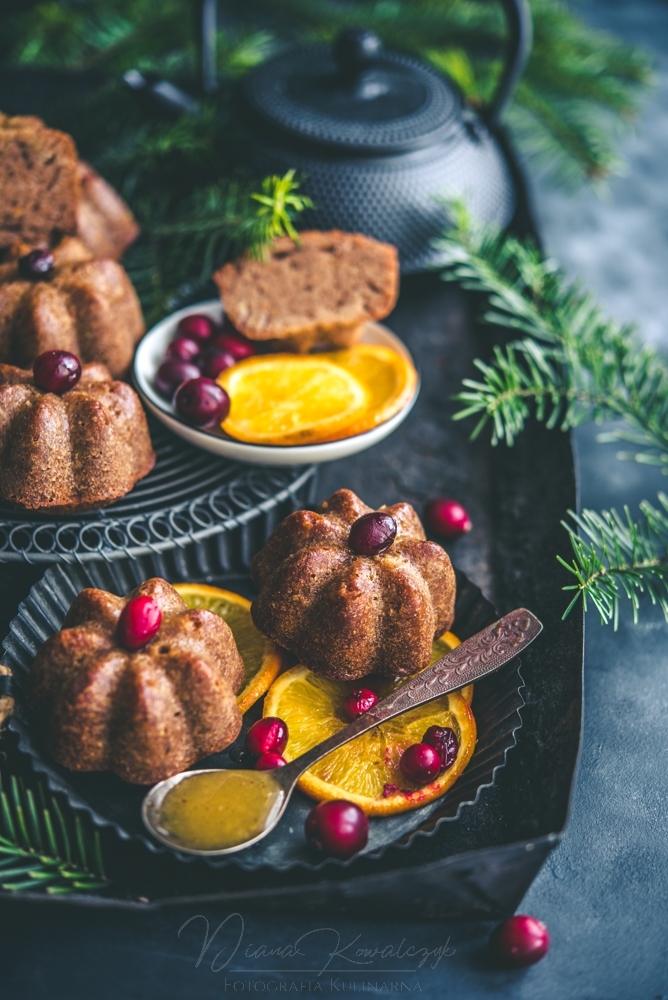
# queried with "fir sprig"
point(570, 364)
point(42, 849)
point(615, 556)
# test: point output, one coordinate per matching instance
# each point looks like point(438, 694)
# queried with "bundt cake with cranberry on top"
point(351, 591)
point(145, 713)
point(73, 450)
point(66, 299)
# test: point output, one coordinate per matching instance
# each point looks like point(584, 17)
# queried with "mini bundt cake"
point(144, 714)
point(73, 451)
point(345, 614)
point(71, 302)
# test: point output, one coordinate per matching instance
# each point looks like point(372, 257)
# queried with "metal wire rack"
point(192, 512)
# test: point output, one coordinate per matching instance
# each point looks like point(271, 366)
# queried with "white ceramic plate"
point(151, 353)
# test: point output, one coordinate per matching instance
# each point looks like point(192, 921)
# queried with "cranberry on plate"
point(520, 941)
point(447, 518)
point(337, 828)
point(359, 701)
point(234, 344)
point(444, 741)
point(373, 533)
point(172, 373)
point(268, 761)
point(268, 735)
point(197, 326)
point(202, 402)
point(420, 763)
point(139, 622)
point(215, 361)
point(183, 349)
point(56, 371)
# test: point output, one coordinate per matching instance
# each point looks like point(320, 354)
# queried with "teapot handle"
point(520, 31)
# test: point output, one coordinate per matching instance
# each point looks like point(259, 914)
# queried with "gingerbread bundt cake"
point(145, 713)
point(67, 300)
point(345, 614)
point(73, 451)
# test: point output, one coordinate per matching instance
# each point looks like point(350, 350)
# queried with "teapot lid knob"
point(355, 49)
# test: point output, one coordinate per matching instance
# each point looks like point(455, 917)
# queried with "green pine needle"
point(35, 841)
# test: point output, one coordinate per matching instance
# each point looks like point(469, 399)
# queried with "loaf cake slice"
point(39, 188)
point(322, 290)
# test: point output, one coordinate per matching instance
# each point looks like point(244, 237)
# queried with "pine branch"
point(572, 364)
point(42, 851)
point(616, 557)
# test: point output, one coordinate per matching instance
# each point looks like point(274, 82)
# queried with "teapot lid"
point(354, 95)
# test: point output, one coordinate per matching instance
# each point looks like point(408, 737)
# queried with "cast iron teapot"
point(382, 138)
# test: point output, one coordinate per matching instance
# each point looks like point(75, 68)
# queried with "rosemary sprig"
point(40, 849)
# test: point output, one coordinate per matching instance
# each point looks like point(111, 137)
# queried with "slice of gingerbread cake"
point(321, 290)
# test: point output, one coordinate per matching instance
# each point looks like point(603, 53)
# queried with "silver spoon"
point(476, 657)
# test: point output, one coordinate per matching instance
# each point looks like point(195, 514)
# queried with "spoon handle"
point(476, 657)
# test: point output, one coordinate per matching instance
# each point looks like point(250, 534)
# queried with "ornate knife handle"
point(476, 657)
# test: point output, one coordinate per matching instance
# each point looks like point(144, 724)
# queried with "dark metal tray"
point(481, 865)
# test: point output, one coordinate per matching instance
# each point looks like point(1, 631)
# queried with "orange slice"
point(262, 658)
point(365, 770)
point(389, 377)
point(289, 399)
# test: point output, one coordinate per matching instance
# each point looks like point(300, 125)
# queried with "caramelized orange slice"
point(262, 658)
point(366, 771)
point(389, 377)
point(289, 399)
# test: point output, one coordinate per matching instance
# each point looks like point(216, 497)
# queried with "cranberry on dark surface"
point(183, 348)
point(520, 941)
point(139, 622)
point(444, 741)
point(447, 518)
point(234, 344)
point(359, 702)
point(215, 361)
point(420, 763)
point(373, 533)
point(202, 402)
point(268, 735)
point(36, 265)
point(268, 761)
point(337, 828)
point(197, 326)
point(172, 373)
point(56, 371)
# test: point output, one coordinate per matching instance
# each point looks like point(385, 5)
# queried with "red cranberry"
point(139, 622)
point(389, 789)
point(172, 373)
point(447, 518)
point(359, 702)
point(56, 371)
point(444, 741)
point(268, 735)
point(420, 763)
point(36, 264)
point(520, 941)
point(198, 327)
point(183, 349)
point(216, 361)
point(372, 534)
point(202, 402)
point(237, 346)
point(337, 828)
point(268, 761)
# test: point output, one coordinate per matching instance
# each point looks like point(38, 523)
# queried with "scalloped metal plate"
point(112, 802)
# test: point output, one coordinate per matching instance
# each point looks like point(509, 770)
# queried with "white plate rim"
point(150, 352)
